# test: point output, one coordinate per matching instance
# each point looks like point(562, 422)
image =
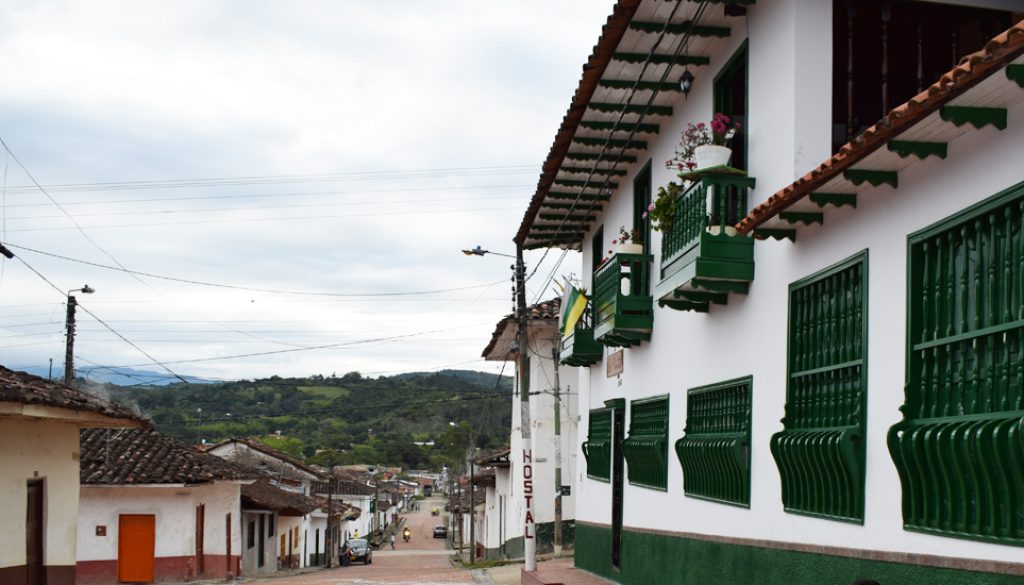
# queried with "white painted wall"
point(34, 449)
point(250, 555)
point(789, 131)
point(175, 511)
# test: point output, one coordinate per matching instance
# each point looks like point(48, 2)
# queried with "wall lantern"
point(686, 83)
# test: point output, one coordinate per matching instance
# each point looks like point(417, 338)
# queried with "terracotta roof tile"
point(23, 388)
point(268, 450)
point(265, 496)
point(542, 311)
point(144, 456)
point(593, 69)
point(971, 70)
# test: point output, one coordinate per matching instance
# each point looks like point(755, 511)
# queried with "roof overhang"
point(968, 97)
point(81, 418)
point(629, 86)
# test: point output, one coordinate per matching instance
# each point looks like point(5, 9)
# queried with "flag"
point(573, 304)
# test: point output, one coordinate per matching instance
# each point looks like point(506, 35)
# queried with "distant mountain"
point(114, 376)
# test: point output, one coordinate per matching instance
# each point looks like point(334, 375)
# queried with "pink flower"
point(700, 125)
point(650, 207)
point(644, 215)
point(615, 241)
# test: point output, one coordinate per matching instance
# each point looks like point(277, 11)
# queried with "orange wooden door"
point(136, 547)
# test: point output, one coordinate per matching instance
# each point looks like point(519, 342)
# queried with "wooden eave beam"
point(583, 184)
point(595, 170)
point(661, 59)
point(570, 218)
point(631, 108)
point(594, 156)
point(681, 29)
point(666, 86)
point(590, 205)
point(581, 196)
point(620, 127)
point(613, 143)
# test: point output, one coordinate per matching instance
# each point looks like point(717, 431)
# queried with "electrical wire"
point(247, 288)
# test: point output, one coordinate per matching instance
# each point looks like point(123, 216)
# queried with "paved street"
point(423, 559)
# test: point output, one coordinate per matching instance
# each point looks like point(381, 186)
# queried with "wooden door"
point(227, 531)
point(136, 548)
point(200, 522)
point(34, 534)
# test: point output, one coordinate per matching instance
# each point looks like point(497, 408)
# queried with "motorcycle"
point(406, 535)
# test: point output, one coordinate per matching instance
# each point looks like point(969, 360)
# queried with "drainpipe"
point(558, 453)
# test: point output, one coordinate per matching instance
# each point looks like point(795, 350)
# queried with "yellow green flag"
point(573, 305)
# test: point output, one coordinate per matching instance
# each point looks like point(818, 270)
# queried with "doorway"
point(618, 422)
point(35, 534)
point(136, 548)
point(200, 522)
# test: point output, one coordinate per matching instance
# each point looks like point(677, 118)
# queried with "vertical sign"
point(528, 493)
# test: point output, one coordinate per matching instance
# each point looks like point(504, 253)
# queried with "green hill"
point(347, 419)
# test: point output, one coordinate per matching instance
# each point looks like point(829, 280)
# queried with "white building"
point(852, 408)
point(39, 425)
point(552, 392)
point(153, 509)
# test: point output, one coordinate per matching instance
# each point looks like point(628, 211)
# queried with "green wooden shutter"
point(597, 449)
point(820, 453)
point(960, 448)
point(646, 448)
point(715, 449)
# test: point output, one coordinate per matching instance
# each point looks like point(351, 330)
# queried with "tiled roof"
point(23, 388)
point(972, 70)
point(144, 456)
point(263, 495)
point(268, 450)
point(494, 457)
point(600, 57)
point(542, 311)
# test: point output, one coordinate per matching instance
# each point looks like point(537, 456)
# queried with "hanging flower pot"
point(629, 248)
point(711, 155)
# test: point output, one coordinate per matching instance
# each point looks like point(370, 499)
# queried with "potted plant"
point(662, 211)
point(629, 241)
point(705, 145)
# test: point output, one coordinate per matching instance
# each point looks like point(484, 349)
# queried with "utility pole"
point(555, 354)
point(69, 353)
point(529, 530)
point(472, 512)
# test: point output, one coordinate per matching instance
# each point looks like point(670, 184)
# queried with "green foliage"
point(348, 420)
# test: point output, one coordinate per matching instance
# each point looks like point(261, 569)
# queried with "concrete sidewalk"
point(551, 572)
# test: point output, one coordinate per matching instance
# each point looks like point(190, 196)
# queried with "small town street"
point(424, 559)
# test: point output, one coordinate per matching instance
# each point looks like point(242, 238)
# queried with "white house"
point(812, 372)
point(153, 509)
point(552, 394)
point(39, 425)
point(493, 475)
point(275, 523)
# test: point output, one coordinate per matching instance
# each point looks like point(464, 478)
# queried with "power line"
point(280, 179)
point(245, 288)
point(263, 219)
point(101, 322)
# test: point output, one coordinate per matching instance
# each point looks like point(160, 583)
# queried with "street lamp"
point(69, 354)
point(529, 532)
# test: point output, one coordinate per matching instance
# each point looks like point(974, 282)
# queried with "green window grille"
point(715, 448)
point(646, 448)
point(597, 449)
point(820, 452)
point(960, 447)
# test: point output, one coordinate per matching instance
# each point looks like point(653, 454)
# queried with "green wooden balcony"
point(623, 308)
point(702, 257)
point(580, 348)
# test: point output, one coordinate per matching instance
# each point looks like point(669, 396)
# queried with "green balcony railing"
point(580, 348)
point(623, 308)
point(597, 449)
point(960, 449)
point(702, 257)
point(715, 449)
point(821, 453)
point(646, 447)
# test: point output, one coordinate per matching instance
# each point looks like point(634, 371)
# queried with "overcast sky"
point(326, 148)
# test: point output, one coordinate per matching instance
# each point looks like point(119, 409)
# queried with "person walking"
point(392, 541)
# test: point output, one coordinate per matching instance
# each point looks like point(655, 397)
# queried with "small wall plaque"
point(101, 531)
point(615, 363)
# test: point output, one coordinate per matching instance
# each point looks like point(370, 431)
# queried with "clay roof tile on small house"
point(499, 348)
point(23, 394)
point(144, 456)
point(262, 495)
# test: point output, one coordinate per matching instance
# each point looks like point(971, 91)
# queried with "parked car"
point(360, 551)
point(440, 532)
